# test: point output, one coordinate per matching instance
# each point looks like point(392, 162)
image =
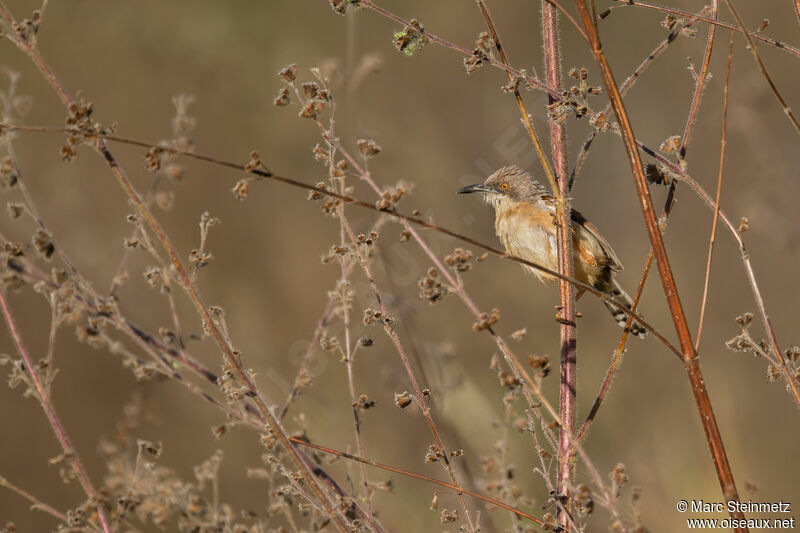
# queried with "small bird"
point(525, 222)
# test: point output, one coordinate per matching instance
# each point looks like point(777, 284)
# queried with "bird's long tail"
point(620, 317)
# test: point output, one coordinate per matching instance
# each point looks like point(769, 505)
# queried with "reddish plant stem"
point(664, 213)
point(50, 412)
point(662, 221)
point(691, 362)
point(569, 377)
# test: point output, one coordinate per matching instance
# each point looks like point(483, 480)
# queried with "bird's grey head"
point(508, 183)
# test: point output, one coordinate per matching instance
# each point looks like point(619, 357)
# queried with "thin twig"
point(70, 453)
point(526, 118)
point(36, 503)
point(627, 84)
point(754, 50)
point(681, 175)
point(345, 307)
point(763, 38)
point(413, 475)
point(723, 144)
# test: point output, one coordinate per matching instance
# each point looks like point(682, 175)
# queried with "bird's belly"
point(525, 237)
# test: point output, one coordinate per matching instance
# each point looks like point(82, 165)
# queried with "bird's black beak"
point(478, 187)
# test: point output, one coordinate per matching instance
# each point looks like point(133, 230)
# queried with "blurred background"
point(440, 129)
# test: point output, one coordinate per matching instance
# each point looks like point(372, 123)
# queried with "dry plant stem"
point(678, 12)
point(526, 118)
point(183, 279)
point(700, 82)
point(36, 504)
point(681, 175)
point(612, 369)
point(44, 400)
point(413, 475)
point(691, 362)
point(387, 326)
point(322, 324)
point(568, 376)
point(712, 238)
point(757, 57)
point(627, 84)
point(570, 18)
point(345, 307)
point(533, 82)
point(662, 222)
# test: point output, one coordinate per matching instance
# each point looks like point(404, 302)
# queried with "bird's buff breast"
point(527, 231)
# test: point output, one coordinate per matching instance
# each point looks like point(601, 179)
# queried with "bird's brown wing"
point(592, 233)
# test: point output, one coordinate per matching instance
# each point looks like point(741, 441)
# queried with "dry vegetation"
point(382, 389)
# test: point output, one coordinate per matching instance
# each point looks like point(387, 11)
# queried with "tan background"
point(440, 129)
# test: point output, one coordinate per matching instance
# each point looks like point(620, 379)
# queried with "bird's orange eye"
point(504, 186)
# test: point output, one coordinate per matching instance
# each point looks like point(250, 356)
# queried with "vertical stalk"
point(568, 381)
point(690, 359)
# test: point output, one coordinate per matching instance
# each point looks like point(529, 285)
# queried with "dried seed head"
point(283, 98)
point(368, 147)
point(311, 109)
point(744, 224)
point(241, 189)
point(411, 39)
point(15, 210)
point(364, 402)
point(541, 364)
point(44, 244)
point(431, 289)
point(671, 145)
point(655, 175)
point(403, 399)
point(289, 73)
point(485, 321)
point(519, 334)
point(745, 320)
